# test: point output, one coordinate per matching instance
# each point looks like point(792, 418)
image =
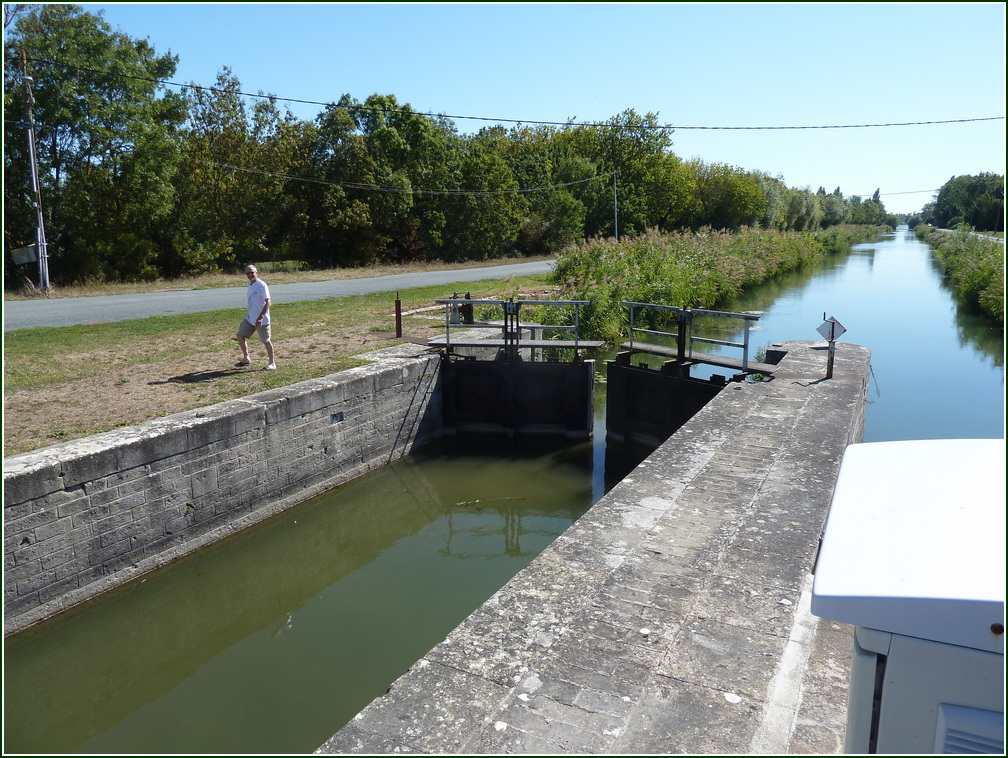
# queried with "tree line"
point(140, 180)
point(974, 201)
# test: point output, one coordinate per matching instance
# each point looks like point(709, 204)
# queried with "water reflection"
point(937, 371)
point(977, 332)
point(267, 642)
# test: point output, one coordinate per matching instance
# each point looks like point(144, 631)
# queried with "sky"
point(692, 65)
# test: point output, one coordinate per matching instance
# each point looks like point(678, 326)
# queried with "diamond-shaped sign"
point(831, 329)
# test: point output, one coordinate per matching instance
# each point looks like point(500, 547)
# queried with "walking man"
point(257, 320)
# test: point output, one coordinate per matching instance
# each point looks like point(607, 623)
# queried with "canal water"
point(270, 641)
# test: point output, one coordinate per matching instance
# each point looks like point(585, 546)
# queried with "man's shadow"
point(198, 376)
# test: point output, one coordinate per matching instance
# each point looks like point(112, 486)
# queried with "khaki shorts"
point(247, 330)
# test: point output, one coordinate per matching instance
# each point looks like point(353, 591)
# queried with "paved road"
point(25, 314)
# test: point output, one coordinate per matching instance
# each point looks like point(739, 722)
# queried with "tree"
point(378, 175)
point(230, 195)
point(672, 189)
point(867, 212)
point(977, 201)
point(835, 210)
point(729, 198)
point(482, 220)
point(107, 143)
point(774, 191)
point(633, 147)
point(413, 156)
point(802, 212)
point(553, 178)
point(334, 218)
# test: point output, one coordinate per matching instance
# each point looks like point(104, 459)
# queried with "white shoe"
point(271, 367)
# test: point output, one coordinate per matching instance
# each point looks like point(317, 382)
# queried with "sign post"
point(831, 330)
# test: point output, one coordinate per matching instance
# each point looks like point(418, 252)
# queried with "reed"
point(973, 266)
point(701, 269)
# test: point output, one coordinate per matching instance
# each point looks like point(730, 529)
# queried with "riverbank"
point(702, 269)
point(973, 266)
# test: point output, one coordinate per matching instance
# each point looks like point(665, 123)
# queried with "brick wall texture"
point(88, 515)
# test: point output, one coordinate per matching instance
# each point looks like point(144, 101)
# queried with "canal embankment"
point(88, 515)
point(674, 615)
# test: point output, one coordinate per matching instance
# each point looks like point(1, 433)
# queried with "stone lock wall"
point(88, 515)
point(671, 618)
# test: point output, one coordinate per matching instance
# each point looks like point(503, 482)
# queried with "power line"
point(376, 188)
point(441, 193)
point(531, 122)
point(887, 194)
point(569, 123)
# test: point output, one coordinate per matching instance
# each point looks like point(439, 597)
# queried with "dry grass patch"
point(66, 383)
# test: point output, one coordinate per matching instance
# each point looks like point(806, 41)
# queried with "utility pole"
point(36, 194)
point(615, 218)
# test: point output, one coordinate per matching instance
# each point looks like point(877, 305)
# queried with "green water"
point(272, 640)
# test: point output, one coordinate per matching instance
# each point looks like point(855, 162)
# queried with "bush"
point(973, 265)
point(283, 267)
point(684, 269)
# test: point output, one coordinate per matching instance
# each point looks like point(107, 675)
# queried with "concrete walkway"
point(673, 617)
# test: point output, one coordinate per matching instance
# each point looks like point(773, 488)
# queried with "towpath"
point(70, 311)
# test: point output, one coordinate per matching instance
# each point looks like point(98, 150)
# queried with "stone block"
point(208, 425)
point(30, 581)
point(89, 459)
point(29, 523)
point(15, 603)
point(204, 483)
point(70, 567)
point(91, 515)
point(679, 717)
point(107, 551)
point(31, 476)
point(74, 503)
point(56, 552)
point(405, 713)
point(152, 441)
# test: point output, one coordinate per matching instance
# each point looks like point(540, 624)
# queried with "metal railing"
point(512, 326)
point(684, 336)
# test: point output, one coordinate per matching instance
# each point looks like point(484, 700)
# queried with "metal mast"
point(36, 194)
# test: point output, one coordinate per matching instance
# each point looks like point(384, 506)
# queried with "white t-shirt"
point(258, 294)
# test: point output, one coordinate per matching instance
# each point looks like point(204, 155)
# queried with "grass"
point(37, 357)
point(181, 362)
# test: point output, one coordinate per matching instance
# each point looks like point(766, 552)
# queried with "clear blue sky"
point(710, 65)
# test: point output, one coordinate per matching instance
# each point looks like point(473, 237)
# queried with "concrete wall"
point(88, 515)
point(672, 617)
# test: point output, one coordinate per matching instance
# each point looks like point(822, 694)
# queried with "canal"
point(270, 641)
